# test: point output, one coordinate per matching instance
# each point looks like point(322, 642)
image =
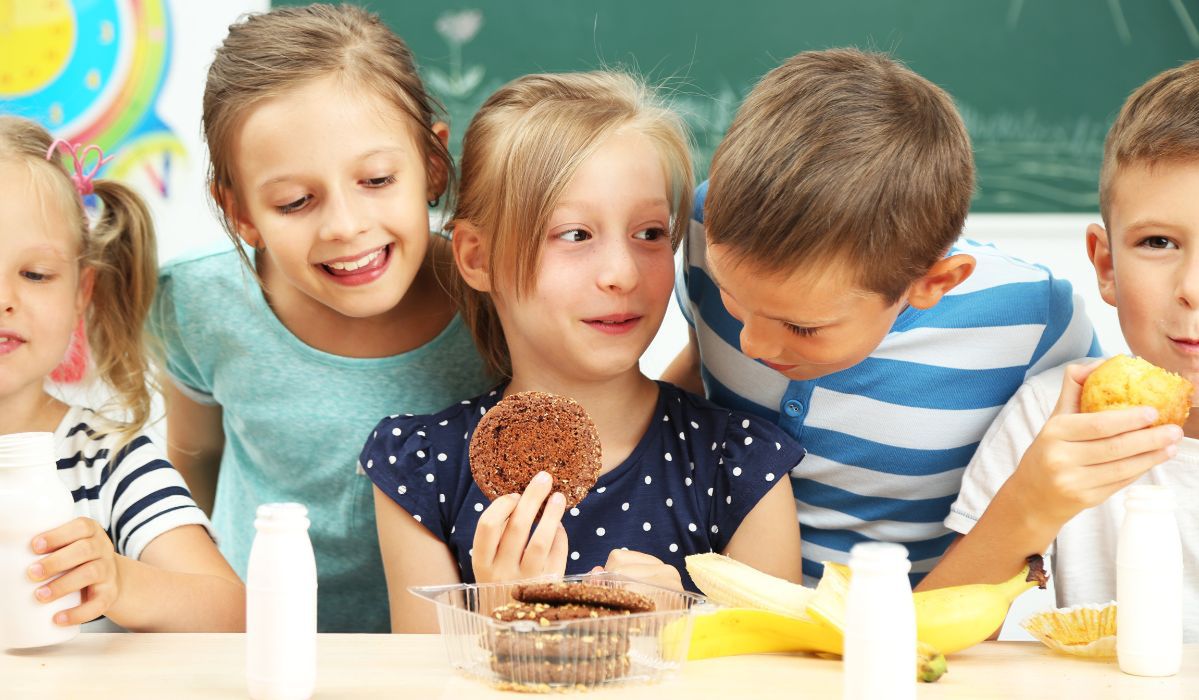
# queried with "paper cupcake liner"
point(1080, 630)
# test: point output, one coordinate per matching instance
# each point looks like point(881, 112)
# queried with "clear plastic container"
point(562, 655)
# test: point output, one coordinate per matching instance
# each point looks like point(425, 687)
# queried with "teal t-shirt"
point(295, 419)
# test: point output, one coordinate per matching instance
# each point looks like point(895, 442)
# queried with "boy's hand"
point(643, 567)
point(503, 549)
point(83, 554)
point(1080, 459)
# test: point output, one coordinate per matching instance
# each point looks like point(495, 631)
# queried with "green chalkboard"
point(1037, 82)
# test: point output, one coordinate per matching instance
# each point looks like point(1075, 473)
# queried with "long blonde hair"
point(121, 249)
point(269, 54)
point(519, 154)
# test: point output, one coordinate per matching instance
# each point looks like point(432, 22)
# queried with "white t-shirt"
point(1083, 564)
point(134, 493)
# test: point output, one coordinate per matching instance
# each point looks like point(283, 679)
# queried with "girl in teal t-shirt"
point(329, 310)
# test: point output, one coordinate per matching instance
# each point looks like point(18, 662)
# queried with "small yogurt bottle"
point(281, 605)
point(1149, 584)
point(32, 500)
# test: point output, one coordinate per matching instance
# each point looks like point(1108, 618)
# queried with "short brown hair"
point(1158, 123)
point(266, 55)
point(120, 246)
point(520, 153)
point(842, 155)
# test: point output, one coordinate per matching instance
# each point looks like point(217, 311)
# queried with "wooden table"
point(181, 666)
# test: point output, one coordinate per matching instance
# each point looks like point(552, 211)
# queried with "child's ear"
point(944, 275)
point(1099, 250)
point(470, 254)
point(438, 177)
point(242, 224)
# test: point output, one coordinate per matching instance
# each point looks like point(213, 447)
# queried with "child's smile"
point(354, 270)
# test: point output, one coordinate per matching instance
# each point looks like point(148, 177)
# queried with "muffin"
point(1125, 381)
point(529, 432)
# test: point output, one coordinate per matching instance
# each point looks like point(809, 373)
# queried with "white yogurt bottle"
point(880, 624)
point(281, 605)
point(1149, 584)
point(32, 500)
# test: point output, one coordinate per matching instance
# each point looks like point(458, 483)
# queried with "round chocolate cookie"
point(562, 592)
point(545, 614)
point(577, 672)
point(530, 432)
point(559, 645)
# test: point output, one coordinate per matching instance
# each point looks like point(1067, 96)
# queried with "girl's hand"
point(503, 549)
point(643, 567)
point(83, 554)
point(1078, 459)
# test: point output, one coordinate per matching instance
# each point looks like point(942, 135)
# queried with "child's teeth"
point(355, 264)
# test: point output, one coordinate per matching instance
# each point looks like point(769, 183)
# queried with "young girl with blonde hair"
point(327, 312)
point(140, 550)
point(575, 189)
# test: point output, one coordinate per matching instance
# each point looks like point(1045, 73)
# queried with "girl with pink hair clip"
point(140, 550)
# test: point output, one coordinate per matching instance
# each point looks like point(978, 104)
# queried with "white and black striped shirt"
point(133, 492)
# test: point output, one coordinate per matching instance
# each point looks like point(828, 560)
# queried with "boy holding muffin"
point(1046, 473)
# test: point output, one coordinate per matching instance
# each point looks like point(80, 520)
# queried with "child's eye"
point(650, 234)
point(380, 181)
point(295, 206)
point(36, 276)
point(1158, 242)
point(802, 331)
point(575, 235)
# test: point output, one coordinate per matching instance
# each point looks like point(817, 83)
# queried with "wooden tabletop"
point(182, 666)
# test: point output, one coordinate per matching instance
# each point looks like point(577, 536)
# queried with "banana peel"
point(733, 631)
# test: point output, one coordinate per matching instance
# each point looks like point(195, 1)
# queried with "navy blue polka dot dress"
point(685, 488)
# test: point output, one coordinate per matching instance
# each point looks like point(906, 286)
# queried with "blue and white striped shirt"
point(889, 438)
point(131, 490)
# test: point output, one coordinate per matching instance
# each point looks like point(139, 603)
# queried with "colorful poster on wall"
point(120, 74)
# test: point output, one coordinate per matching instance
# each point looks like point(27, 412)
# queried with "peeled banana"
point(764, 613)
point(950, 619)
point(726, 581)
point(768, 614)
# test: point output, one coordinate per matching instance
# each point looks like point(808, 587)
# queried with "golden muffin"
point(1125, 381)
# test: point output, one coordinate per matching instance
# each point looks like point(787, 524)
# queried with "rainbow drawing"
point(92, 71)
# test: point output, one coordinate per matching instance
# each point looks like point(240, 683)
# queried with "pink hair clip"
point(82, 177)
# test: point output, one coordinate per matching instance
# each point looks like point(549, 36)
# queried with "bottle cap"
point(879, 556)
point(1149, 496)
point(281, 515)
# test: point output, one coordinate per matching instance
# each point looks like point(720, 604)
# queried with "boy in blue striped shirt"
point(827, 290)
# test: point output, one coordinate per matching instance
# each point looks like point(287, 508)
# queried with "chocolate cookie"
point(530, 432)
point(562, 646)
point(575, 672)
point(544, 613)
point(562, 592)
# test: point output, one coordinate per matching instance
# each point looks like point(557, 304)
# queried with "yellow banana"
point(765, 613)
point(732, 631)
point(950, 619)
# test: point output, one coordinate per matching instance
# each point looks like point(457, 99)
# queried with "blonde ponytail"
point(121, 249)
